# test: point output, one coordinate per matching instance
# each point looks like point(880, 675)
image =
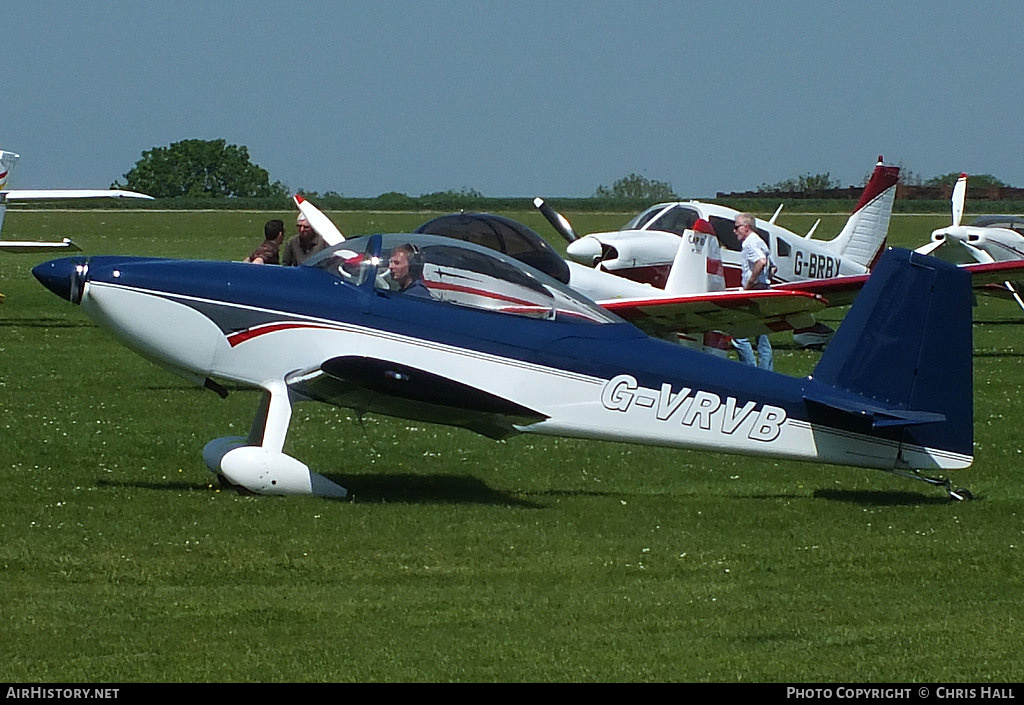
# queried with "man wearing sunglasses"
point(756, 267)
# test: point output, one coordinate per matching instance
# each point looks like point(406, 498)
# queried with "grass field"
point(458, 558)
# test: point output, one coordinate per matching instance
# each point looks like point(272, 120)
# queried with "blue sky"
point(519, 97)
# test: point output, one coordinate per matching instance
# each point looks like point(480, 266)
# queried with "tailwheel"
point(961, 494)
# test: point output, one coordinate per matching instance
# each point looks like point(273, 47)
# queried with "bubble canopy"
point(460, 273)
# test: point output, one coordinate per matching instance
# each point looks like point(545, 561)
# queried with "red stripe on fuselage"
point(242, 336)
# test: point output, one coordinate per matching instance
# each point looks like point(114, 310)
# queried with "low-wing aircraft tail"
point(906, 347)
point(862, 239)
point(7, 161)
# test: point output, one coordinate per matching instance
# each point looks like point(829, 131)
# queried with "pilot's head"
point(405, 265)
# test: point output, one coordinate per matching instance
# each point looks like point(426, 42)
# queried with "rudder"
point(907, 345)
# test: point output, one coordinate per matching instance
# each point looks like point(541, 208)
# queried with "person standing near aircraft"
point(756, 259)
point(269, 252)
point(302, 245)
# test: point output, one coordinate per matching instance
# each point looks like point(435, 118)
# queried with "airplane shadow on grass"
point(881, 498)
point(44, 323)
point(463, 489)
point(384, 489)
point(427, 489)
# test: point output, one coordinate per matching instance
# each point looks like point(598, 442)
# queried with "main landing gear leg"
point(258, 463)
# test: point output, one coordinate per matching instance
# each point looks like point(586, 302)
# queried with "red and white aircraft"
point(992, 238)
point(7, 161)
point(643, 250)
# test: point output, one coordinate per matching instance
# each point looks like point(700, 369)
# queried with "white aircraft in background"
point(7, 161)
point(643, 250)
point(992, 238)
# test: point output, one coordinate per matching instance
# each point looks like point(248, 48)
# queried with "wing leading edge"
point(741, 313)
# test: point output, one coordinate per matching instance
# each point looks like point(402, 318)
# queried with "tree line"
point(198, 173)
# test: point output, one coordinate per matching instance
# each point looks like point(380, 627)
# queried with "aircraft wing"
point(838, 291)
point(986, 278)
point(740, 313)
point(984, 273)
point(387, 387)
point(31, 246)
point(61, 194)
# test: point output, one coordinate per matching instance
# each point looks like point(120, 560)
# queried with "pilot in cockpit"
point(406, 269)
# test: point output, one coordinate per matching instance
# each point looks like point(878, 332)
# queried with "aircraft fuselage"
point(258, 325)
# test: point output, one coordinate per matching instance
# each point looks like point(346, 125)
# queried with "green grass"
point(459, 558)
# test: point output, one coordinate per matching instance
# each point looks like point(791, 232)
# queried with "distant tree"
point(979, 180)
point(803, 183)
point(637, 188)
point(451, 193)
point(395, 200)
point(907, 177)
point(200, 168)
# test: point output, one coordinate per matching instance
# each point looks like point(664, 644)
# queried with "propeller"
point(952, 232)
point(959, 196)
point(323, 225)
point(557, 220)
point(930, 247)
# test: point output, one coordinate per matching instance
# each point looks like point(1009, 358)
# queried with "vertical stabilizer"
point(697, 267)
point(862, 239)
point(7, 160)
point(906, 346)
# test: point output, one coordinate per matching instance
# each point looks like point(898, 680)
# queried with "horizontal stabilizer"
point(880, 417)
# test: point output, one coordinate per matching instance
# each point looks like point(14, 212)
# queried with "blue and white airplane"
point(500, 348)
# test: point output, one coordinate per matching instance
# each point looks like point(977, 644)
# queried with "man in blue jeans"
point(755, 276)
